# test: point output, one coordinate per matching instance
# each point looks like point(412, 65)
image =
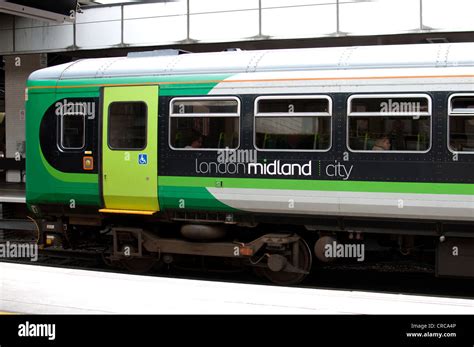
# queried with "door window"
point(127, 125)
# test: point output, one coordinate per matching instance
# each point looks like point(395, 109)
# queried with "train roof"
point(232, 62)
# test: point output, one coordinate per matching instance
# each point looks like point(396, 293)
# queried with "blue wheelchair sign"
point(143, 159)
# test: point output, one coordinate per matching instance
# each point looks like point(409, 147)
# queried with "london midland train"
point(264, 159)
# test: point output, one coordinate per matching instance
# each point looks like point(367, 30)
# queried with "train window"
point(127, 125)
point(204, 106)
point(461, 123)
point(73, 131)
point(293, 123)
point(303, 105)
point(204, 123)
point(461, 104)
point(387, 104)
point(389, 123)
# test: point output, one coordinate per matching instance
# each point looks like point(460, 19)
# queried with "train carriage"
point(265, 157)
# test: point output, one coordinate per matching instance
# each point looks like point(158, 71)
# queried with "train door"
point(130, 149)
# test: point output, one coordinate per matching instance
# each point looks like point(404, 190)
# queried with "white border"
point(393, 114)
point(294, 114)
point(63, 148)
point(203, 115)
point(456, 114)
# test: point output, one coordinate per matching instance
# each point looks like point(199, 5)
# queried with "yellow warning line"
point(6, 313)
point(109, 210)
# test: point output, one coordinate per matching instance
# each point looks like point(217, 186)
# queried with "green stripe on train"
point(322, 185)
point(189, 198)
point(169, 85)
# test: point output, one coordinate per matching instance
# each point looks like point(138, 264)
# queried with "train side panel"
point(57, 176)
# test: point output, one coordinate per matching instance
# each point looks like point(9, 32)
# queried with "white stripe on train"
point(360, 204)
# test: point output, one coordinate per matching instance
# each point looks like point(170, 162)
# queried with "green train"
point(262, 158)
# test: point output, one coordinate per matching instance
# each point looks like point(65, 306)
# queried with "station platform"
point(32, 289)
point(12, 192)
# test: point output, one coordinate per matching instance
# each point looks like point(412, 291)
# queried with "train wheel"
point(290, 278)
point(138, 265)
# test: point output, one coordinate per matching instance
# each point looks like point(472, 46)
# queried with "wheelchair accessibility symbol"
point(143, 159)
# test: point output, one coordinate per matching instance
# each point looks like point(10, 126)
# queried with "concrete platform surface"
point(33, 289)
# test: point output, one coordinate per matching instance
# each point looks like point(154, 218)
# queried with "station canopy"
point(48, 10)
point(55, 10)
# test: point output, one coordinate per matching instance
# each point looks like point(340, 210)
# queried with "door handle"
point(105, 176)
